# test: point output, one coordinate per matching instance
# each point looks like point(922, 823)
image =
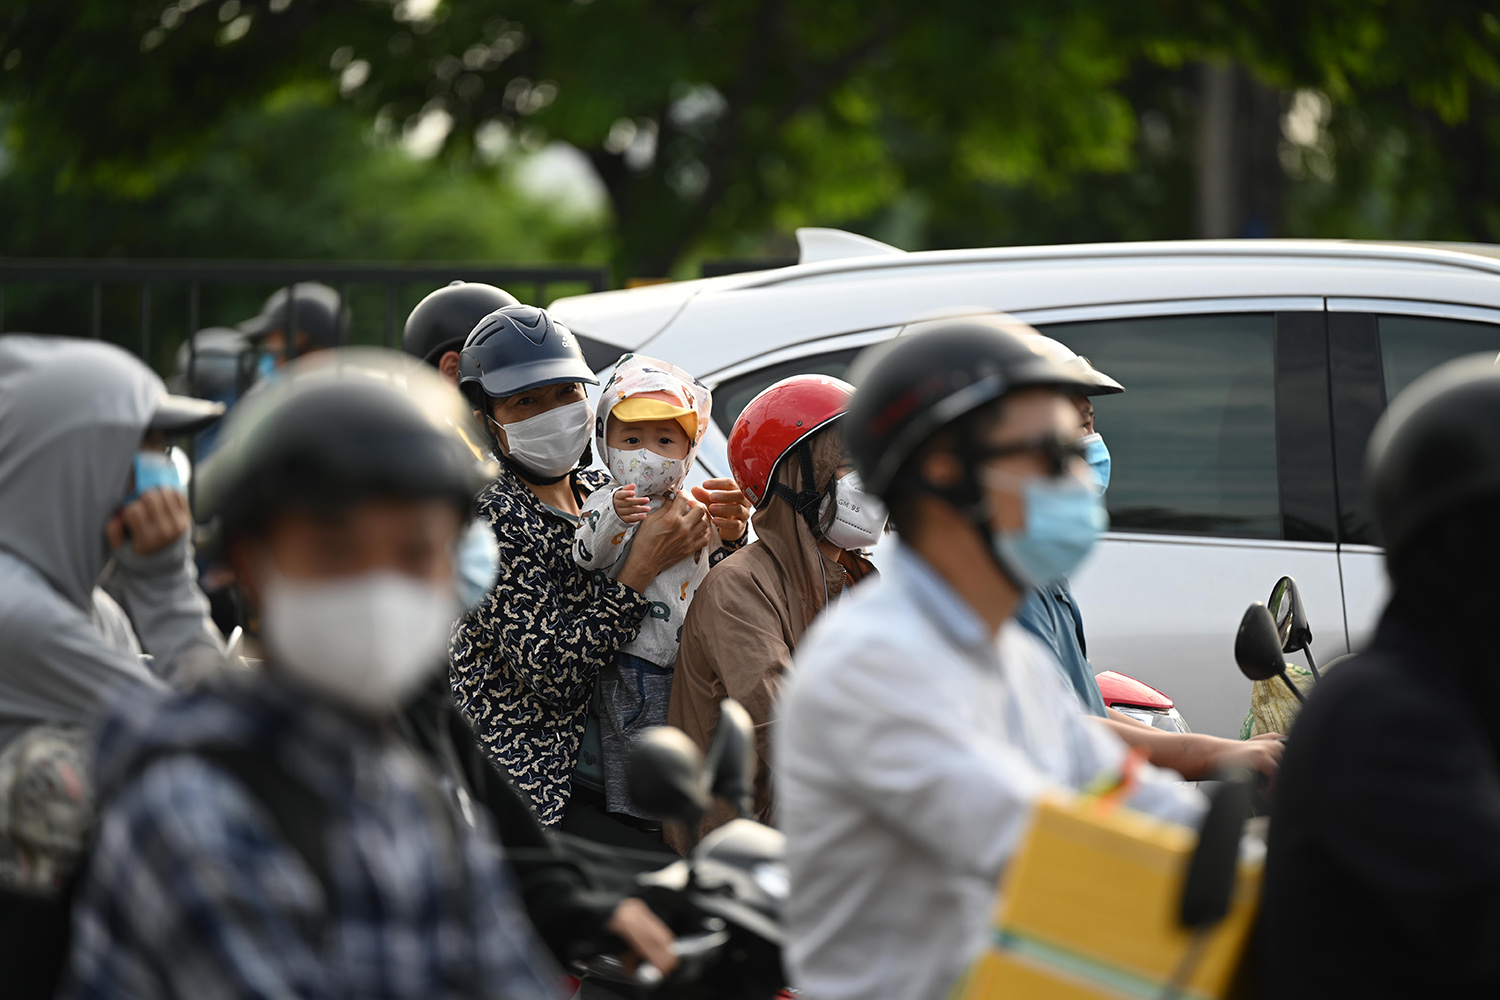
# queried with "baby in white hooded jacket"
point(651, 418)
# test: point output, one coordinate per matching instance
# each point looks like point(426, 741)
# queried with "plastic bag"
point(1272, 706)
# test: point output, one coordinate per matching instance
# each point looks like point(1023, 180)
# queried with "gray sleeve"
point(56, 666)
point(113, 624)
point(160, 593)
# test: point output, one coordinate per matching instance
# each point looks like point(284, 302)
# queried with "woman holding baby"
point(572, 600)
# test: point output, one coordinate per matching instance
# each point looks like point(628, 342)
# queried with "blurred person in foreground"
point(86, 492)
point(1383, 864)
point(571, 912)
point(273, 834)
point(920, 724)
point(1052, 614)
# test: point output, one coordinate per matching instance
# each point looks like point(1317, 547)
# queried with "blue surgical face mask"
point(154, 470)
point(477, 563)
point(265, 368)
point(1097, 455)
point(1064, 517)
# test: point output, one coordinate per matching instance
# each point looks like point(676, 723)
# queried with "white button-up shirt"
point(909, 751)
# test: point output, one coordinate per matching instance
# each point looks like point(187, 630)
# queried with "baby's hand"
point(630, 507)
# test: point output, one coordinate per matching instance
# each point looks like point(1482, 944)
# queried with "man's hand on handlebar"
point(648, 938)
point(1198, 756)
point(1259, 753)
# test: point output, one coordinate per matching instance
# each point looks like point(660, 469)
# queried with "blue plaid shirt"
point(192, 892)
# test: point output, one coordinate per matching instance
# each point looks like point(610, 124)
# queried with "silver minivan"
point(1255, 371)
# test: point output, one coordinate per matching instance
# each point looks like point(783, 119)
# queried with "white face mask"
point(860, 517)
point(652, 474)
point(366, 642)
point(551, 443)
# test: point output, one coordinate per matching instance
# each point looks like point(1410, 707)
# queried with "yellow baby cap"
point(660, 405)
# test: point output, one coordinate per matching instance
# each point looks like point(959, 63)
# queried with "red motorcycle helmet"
point(776, 421)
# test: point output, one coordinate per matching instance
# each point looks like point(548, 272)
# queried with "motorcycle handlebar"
point(689, 946)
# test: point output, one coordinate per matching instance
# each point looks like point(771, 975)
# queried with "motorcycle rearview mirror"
point(1291, 620)
point(1257, 648)
point(731, 757)
point(665, 776)
point(1208, 885)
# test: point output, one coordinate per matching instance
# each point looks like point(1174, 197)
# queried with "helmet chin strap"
point(970, 499)
point(807, 500)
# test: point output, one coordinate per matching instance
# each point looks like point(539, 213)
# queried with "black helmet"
point(315, 309)
point(365, 422)
point(519, 347)
point(1436, 448)
point(930, 375)
point(214, 364)
point(444, 319)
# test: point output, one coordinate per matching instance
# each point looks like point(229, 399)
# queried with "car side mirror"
point(1257, 648)
point(731, 757)
point(1291, 619)
point(665, 776)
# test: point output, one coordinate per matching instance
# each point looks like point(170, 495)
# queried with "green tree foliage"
point(956, 121)
point(295, 177)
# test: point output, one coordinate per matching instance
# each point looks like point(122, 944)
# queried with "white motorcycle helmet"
point(1076, 365)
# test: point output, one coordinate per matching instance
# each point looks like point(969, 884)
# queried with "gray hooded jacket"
point(72, 416)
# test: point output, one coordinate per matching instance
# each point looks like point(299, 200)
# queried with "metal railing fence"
point(152, 306)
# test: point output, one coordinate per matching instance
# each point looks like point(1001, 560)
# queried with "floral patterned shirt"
point(523, 663)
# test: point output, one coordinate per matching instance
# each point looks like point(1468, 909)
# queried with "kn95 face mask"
point(859, 518)
point(366, 642)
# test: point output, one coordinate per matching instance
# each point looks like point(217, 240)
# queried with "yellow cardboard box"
point(1089, 909)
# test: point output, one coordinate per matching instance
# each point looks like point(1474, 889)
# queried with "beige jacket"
point(748, 616)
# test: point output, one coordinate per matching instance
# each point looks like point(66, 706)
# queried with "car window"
point(1193, 438)
point(1412, 345)
point(731, 396)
